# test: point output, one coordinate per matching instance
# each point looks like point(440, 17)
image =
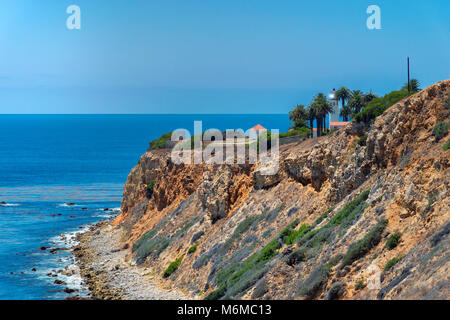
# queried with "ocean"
point(48, 161)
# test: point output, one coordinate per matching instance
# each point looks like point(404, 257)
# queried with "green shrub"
point(267, 233)
point(151, 186)
point(432, 197)
point(151, 246)
point(321, 236)
point(192, 249)
point(245, 225)
point(377, 106)
point(147, 235)
point(269, 251)
point(172, 267)
point(161, 142)
point(360, 248)
point(260, 289)
point(217, 294)
point(316, 280)
point(237, 277)
point(351, 210)
point(246, 280)
point(360, 284)
point(440, 130)
point(391, 263)
point(393, 240)
point(323, 216)
point(362, 140)
point(303, 132)
point(288, 230)
point(271, 215)
point(296, 256)
point(295, 235)
point(446, 145)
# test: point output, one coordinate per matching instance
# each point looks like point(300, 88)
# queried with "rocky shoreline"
point(107, 273)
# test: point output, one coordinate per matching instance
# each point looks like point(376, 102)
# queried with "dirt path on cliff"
point(108, 275)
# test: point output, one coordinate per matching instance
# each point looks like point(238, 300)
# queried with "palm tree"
point(323, 107)
point(414, 86)
point(343, 94)
point(310, 116)
point(316, 111)
point(369, 97)
point(346, 112)
point(356, 101)
point(298, 116)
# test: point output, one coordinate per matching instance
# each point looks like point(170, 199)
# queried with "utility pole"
point(409, 86)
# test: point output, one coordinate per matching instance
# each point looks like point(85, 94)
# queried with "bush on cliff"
point(244, 226)
point(296, 256)
point(322, 217)
point(192, 249)
point(236, 278)
point(150, 187)
point(316, 280)
point(377, 106)
point(173, 267)
point(360, 248)
point(362, 140)
point(269, 251)
point(295, 235)
point(391, 263)
point(393, 240)
point(446, 146)
point(161, 142)
point(351, 210)
point(153, 245)
point(360, 284)
point(147, 235)
point(440, 130)
point(302, 132)
point(260, 289)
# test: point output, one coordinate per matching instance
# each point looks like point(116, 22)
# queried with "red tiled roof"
point(258, 127)
point(339, 123)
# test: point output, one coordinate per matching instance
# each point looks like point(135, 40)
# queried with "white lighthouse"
point(334, 115)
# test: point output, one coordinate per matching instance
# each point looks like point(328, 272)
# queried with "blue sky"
point(177, 56)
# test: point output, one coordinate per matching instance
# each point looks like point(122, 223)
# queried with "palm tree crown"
point(414, 86)
point(356, 102)
point(310, 116)
point(298, 116)
point(343, 94)
point(346, 112)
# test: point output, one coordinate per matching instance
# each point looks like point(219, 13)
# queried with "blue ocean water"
point(47, 161)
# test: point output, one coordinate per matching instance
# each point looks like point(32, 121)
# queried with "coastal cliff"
point(360, 214)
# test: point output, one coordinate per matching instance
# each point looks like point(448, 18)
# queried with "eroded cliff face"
point(339, 220)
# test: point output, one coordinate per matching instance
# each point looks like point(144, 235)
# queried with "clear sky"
point(234, 56)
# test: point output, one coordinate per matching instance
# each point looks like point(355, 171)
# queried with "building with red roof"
point(258, 127)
